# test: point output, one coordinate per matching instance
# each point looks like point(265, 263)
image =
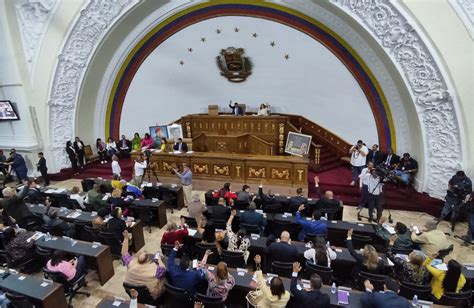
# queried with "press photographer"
point(459, 192)
point(358, 154)
point(139, 168)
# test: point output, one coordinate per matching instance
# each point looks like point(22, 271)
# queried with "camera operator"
point(364, 182)
point(459, 192)
point(374, 197)
point(358, 154)
point(139, 167)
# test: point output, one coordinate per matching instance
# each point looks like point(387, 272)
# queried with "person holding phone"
point(73, 269)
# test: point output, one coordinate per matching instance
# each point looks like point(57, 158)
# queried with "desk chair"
point(359, 241)
point(177, 297)
point(43, 255)
point(315, 237)
point(283, 269)
point(323, 271)
point(209, 301)
point(408, 290)
point(219, 224)
point(144, 296)
point(55, 231)
point(461, 299)
point(93, 234)
point(241, 205)
point(201, 250)
point(71, 288)
point(18, 300)
point(234, 259)
point(250, 229)
point(111, 239)
point(279, 226)
point(376, 280)
point(81, 233)
point(191, 222)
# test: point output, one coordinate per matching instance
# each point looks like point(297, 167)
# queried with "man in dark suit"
point(297, 200)
point(282, 251)
point(251, 217)
point(391, 160)
point(236, 109)
point(219, 211)
point(375, 156)
point(325, 201)
point(79, 148)
point(41, 165)
point(387, 299)
point(312, 297)
point(180, 146)
point(124, 147)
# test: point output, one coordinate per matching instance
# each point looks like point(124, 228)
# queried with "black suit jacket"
point(76, 146)
point(184, 147)
point(220, 212)
point(295, 202)
point(42, 165)
point(383, 300)
point(375, 157)
point(240, 110)
point(309, 299)
point(266, 199)
point(395, 159)
point(282, 252)
point(123, 143)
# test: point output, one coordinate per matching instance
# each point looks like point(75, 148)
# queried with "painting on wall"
point(297, 144)
point(175, 131)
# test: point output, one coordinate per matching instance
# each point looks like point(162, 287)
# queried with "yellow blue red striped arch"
point(316, 30)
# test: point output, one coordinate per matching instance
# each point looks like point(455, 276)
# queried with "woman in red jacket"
point(173, 234)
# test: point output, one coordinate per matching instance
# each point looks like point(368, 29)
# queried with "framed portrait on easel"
point(175, 131)
point(297, 144)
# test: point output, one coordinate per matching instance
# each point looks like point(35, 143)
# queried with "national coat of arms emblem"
point(233, 64)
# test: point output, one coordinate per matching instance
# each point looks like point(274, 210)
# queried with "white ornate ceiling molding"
point(92, 24)
point(465, 11)
point(33, 19)
point(434, 99)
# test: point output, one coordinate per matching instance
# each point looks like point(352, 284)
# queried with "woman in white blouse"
point(111, 147)
point(320, 254)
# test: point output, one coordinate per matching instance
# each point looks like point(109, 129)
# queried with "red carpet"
point(396, 198)
point(94, 170)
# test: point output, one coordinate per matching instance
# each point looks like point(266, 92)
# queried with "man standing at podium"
point(186, 178)
point(236, 109)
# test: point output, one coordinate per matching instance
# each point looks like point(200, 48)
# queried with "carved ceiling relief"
point(429, 90)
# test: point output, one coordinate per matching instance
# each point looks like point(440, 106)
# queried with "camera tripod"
point(150, 171)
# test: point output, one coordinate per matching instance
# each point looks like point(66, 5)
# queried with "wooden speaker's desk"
point(245, 168)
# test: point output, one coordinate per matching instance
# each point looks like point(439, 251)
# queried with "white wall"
point(313, 82)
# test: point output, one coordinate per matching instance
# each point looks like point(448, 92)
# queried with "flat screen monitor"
point(7, 111)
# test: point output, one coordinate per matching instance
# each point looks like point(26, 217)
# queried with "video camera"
point(385, 174)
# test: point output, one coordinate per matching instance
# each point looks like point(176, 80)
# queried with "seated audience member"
point(136, 142)
point(101, 150)
point(133, 188)
point(368, 260)
point(99, 222)
point(164, 147)
point(407, 168)
point(390, 160)
point(389, 298)
point(237, 241)
point(51, 219)
point(183, 277)
point(95, 198)
point(263, 110)
point(180, 146)
point(116, 182)
point(116, 224)
point(411, 271)
point(244, 195)
point(237, 109)
point(147, 142)
point(320, 254)
point(34, 193)
point(141, 270)
point(173, 234)
point(375, 156)
point(72, 269)
point(432, 240)
point(124, 147)
point(76, 196)
point(297, 200)
point(282, 250)
point(312, 297)
point(251, 217)
point(220, 211)
point(17, 247)
point(225, 192)
point(4, 301)
point(111, 147)
point(220, 283)
point(266, 199)
point(273, 296)
point(211, 236)
point(325, 201)
point(451, 280)
point(196, 208)
point(314, 226)
point(403, 240)
point(14, 208)
point(116, 200)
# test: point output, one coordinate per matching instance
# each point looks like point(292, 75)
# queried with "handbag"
point(254, 297)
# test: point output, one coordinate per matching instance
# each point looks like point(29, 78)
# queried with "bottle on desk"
point(414, 301)
point(333, 288)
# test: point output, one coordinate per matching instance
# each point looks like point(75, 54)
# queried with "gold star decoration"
point(181, 62)
point(255, 35)
point(203, 39)
point(236, 29)
point(190, 49)
point(287, 56)
point(272, 44)
point(218, 31)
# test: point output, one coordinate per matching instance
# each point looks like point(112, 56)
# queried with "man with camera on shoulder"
point(358, 154)
point(459, 192)
point(374, 192)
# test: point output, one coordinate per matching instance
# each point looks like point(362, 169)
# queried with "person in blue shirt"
point(181, 276)
point(314, 226)
point(251, 217)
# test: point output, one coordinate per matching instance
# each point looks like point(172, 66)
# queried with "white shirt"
point(140, 168)
point(110, 145)
point(116, 167)
point(310, 254)
point(364, 174)
point(78, 198)
point(357, 159)
point(373, 184)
